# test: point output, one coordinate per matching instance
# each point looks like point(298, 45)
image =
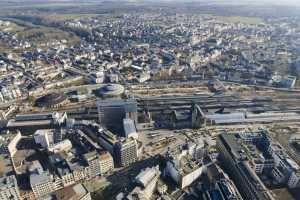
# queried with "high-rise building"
point(9, 188)
point(126, 152)
point(129, 128)
point(112, 112)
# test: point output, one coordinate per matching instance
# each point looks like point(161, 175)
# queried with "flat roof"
point(38, 116)
point(75, 163)
point(7, 182)
point(130, 105)
point(108, 136)
point(60, 164)
point(36, 179)
point(77, 191)
point(13, 123)
point(187, 165)
point(231, 143)
point(90, 155)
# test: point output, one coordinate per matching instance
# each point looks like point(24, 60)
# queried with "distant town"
point(149, 101)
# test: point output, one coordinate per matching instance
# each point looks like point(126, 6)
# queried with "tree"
point(31, 99)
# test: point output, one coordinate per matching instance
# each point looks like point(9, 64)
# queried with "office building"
point(233, 156)
point(285, 169)
point(112, 112)
point(129, 128)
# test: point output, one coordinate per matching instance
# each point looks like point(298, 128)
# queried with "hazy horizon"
point(291, 2)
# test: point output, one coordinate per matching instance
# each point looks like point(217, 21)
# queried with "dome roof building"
point(110, 90)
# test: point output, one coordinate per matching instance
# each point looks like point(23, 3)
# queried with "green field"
point(46, 34)
point(38, 34)
point(63, 17)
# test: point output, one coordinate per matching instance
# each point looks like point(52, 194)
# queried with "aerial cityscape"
point(149, 100)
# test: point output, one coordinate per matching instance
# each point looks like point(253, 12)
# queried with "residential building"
point(106, 162)
point(92, 159)
point(126, 152)
point(146, 182)
point(9, 189)
point(234, 158)
point(183, 168)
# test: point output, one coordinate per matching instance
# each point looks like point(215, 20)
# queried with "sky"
point(292, 2)
point(271, 2)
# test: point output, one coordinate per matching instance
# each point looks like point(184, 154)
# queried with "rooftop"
point(110, 90)
point(75, 192)
point(7, 182)
point(130, 105)
point(231, 142)
point(60, 164)
point(188, 165)
point(36, 179)
point(90, 155)
point(38, 116)
point(105, 155)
